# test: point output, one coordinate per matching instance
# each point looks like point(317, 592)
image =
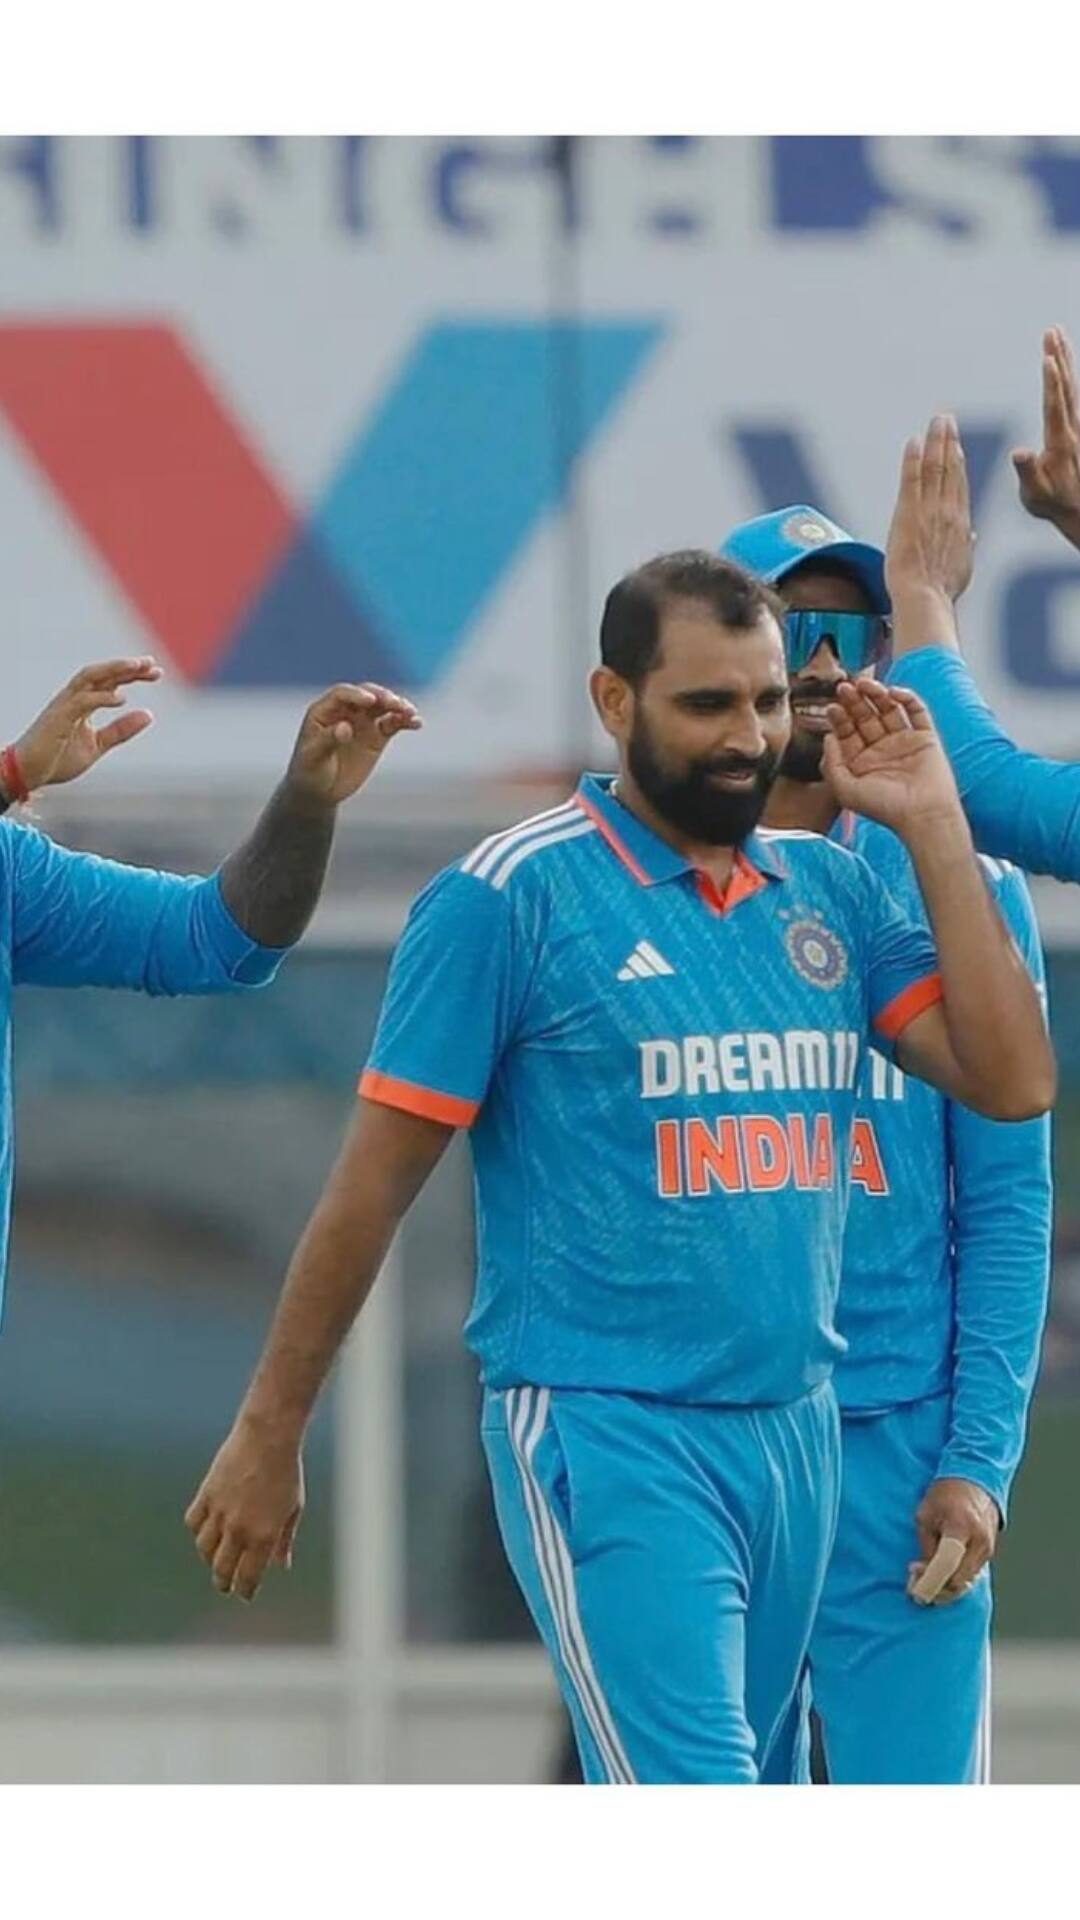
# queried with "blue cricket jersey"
point(1021, 807)
point(947, 1250)
point(660, 1083)
point(71, 920)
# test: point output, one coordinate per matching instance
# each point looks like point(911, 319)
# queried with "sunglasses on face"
point(859, 640)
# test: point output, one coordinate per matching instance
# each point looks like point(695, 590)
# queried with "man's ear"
point(613, 698)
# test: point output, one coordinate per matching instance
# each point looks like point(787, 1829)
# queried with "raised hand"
point(63, 742)
point(930, 552)
point(341, 739)
point(884, 759)
point(1050, 479)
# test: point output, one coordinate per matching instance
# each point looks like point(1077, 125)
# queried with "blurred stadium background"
point(288, 411)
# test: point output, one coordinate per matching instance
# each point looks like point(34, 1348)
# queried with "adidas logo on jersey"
point(644, 964)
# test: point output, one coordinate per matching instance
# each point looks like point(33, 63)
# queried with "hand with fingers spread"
point(1050, 479)
point(342, 737)
point(884, 759)
point(245, 1515)
point(958, 1524)
point(930, 552)
point(63, 742)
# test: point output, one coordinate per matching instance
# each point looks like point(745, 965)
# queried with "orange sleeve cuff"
point(423, 1101)
point(907, 1006)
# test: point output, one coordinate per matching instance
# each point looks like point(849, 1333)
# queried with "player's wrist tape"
point(944, 1563)
point(13, 778)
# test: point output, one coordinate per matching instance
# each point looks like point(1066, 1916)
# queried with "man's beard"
point(804, 757)
point(690, 803)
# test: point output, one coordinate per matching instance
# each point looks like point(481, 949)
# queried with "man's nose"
point(743, 735)
point(823, 662)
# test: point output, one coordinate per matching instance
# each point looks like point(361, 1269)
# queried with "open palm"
point(883, 757)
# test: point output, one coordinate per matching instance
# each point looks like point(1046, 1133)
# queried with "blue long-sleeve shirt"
point(72, 920)
point(1021, 806)
point(947, 1247)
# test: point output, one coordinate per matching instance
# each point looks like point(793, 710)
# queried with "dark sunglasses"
point(859, 640)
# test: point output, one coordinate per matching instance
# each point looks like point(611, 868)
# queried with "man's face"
point(815, 685)
point(706, 729)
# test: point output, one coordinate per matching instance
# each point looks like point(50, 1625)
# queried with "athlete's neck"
point(717, 862)
point(807, 804)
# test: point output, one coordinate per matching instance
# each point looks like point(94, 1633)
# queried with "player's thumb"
point(1025, 462)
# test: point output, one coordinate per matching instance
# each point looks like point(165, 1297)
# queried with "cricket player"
point(1021, 807)
point(945, 1274)
point(652, 1019)
point(71, 920)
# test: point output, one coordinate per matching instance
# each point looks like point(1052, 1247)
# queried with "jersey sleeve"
point(78, 920)
point(452, 1002)
point(902, 968)
point(1001, 1233)
point(1021, 806)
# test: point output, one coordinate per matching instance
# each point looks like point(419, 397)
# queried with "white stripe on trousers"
point(985, 1728)
point(557, 1577)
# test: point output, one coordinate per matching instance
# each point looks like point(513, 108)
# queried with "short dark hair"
point(634, 609)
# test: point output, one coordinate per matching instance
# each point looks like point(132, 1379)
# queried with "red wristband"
point(11, 774)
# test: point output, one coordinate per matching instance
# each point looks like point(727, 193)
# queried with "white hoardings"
point(288, 411)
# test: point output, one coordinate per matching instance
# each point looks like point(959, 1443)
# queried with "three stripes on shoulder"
point(497, 857)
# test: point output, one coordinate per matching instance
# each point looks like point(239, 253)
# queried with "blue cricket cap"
point(775, 543)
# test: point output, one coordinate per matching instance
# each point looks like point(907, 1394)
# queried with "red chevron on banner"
point(155, 470)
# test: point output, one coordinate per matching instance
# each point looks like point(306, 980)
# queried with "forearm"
point(1002, 1233)
point(379, 1172)
point(988, 1425)
point(271, 884)
point(1000, 1314)
point(992, 1012)
point(331, 1274)
point(922, 617)
point(1021, 806)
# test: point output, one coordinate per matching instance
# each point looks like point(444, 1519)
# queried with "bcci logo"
point(805, 532)
point(816, 954)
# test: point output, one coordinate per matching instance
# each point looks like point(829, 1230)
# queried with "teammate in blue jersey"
point(945, 1274)
point(69, 919)
point(1021, 806)
point(652, 1018)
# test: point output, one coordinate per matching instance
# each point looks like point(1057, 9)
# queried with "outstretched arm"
point(81, 921)
point(1021, 807)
